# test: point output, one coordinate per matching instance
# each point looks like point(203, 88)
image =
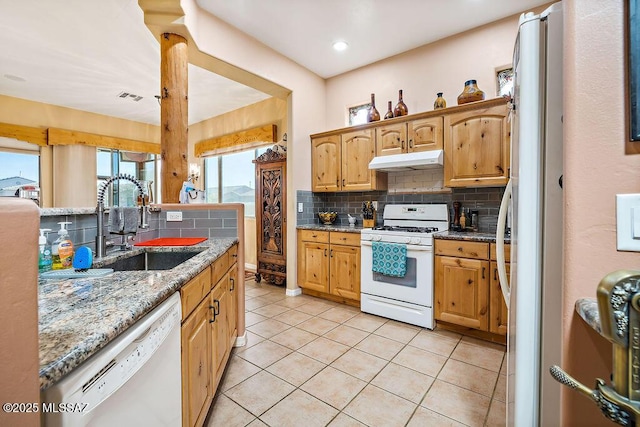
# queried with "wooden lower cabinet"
point(196, 369)
point(462, 294)
point(329, 264)
point(467, 289)
point(344, 267)
point(497, 307)
point(207, 335)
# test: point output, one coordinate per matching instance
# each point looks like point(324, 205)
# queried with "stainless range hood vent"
point(408, 161)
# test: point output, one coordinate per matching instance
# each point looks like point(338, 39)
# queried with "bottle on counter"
point(401, 107)
point(389, 114)
point(463, 220)
point(62, 249)
point(474, 220)
point(44, 253)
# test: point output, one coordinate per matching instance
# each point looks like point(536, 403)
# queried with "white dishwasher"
point(133, 381)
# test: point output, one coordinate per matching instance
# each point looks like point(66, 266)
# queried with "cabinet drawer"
point(218, 268)
point(458, 248)
point(233, 254)
point(507, 252)
point(350, 239)
point(193, 292)
point(314, 236)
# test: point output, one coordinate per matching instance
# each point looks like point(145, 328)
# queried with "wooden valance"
point(258, 134)
point(24, 133)
point(70, 137)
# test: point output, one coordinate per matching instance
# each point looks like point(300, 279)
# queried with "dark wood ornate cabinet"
point(271, 221)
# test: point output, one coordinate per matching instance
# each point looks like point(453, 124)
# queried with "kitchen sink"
point(152, 261)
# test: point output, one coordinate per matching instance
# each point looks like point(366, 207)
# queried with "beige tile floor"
point(311, 362)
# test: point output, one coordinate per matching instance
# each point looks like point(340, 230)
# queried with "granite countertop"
point(469, 235)
point(322, 227)
point(78, 317)
point(587, 308)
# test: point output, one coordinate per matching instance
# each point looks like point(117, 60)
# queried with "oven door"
point(415, 287)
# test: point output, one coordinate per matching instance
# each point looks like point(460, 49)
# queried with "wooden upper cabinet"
point(391, 139)
point(476, 146)
point(358, 149)
point(425, 134)
point(407, 137)
point(325, 163)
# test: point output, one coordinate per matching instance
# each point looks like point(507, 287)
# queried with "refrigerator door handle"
point(502, 269)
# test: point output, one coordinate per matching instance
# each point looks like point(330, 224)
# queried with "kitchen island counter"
point(78, 317)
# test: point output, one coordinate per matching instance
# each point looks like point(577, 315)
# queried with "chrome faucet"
point(101, 243)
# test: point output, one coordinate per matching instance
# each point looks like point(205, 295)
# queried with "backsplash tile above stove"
point(485, 200)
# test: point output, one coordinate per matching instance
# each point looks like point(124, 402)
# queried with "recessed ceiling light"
point(14, 78)
point(340, 45)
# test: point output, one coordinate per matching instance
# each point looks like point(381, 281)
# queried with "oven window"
point(409, 279)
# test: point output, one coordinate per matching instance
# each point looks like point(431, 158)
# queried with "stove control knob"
point(415, 241)
point(407, 239)
point(365, 237)
point(377, 238)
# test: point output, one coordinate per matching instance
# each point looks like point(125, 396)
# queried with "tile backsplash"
point(485, 200)
point(195, 223)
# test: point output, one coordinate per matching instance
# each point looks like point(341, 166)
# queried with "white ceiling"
point(82, 53)
point(304, 30)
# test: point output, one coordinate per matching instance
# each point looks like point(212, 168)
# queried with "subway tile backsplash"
point(205, 223)
point(485, 200)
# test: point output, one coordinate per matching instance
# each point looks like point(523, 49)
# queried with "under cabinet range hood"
point(407, 161)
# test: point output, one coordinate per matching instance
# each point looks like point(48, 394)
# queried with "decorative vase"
point(373, 115)
point(389, 114)
point(471, 93)
point(439, 102)
point(401, 108)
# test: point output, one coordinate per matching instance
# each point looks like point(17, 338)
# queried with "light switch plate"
point(300, 207)
point(628, 222)
point(174, 216)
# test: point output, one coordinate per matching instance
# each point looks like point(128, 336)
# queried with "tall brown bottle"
point(389, 114)
point(401, 108)
point(373, 115)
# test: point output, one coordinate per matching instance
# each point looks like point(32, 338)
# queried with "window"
point(230, 178)
point(142, 166)
point(20, 174)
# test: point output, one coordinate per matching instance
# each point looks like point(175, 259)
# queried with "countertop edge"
point(472, 236)
point(321, 227)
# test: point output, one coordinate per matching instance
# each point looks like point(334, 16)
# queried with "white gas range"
point(407, 298)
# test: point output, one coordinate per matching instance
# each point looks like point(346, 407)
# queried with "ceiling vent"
point(129, 95)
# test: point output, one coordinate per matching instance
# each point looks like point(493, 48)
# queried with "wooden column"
point(173, 115)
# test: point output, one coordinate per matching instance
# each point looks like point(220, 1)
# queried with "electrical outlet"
point(174, 216)
point(300, 207)
point(375, 205)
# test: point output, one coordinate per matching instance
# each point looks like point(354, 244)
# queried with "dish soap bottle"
point(44, 256)
point(62, 249)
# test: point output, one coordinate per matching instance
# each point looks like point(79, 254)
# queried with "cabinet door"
point(344, 268)
point(425, 134)
point(476, 146)
point(233, 305)
point(220, 337)
point(196, 365)
point(325, 163)
point(358, 148)
point(391, 139)
point(462, 291)
point(314, 259)
point(498, 313)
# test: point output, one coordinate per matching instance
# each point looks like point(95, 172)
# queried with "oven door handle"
point(409, 247)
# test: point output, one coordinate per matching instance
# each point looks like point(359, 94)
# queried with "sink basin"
point(152, 261)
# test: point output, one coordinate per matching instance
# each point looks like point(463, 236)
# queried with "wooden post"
point(173, 115)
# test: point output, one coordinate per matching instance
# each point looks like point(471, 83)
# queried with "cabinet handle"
point(495, 274)
point(325, 252)
point(331, 253)
point(314, 236)
point(337, 182)
point(233, 284)
point(411, 143)
point(214, 313)
point(343, 182)
point(483, 272)
point(402, 144)
point(234, 256)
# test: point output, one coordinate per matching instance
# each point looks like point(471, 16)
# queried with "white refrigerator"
point(533, 292)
